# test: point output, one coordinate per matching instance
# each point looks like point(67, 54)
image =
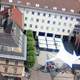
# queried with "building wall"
point(49, 22)
point(11, 67)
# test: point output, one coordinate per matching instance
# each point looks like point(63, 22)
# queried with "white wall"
point(52, 28)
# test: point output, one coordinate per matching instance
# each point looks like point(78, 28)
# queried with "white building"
point(56, 17)
point(49, 19)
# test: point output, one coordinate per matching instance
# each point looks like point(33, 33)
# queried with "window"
point(70, 24)
point(38, 13)
point(43, 21)
point(41, 27)
point(68, 31)
point(32, 13)
point(54, 8)
point(72, 10)
point(44, 14)
point(15, 70)
point(32, 19)
point(77, 32)
point(47, 28)
point(25, 18)
point(19, 1)
point(37, 20)
point(25, 24)
point(27, 11)
point(63, 9)
point(55, 16)
point(60, 17)
point(57, 36)
point(49, 15)
point(59, 23)
point(78, 19)
point(45, 6)
point(30, 25)
point(58, 29)
point(41, 33)
point(10, 0)
point(74, 32)
point(16, 63)
point(37, 5)
point(28, 3)
point(48, 21)
point(36, 26)
point(77, 26)
point(72, 18)
point(49, 35)
point(64, 24)
point(66, 17)
point(54, 22)
point(6, 69)
point(63, 30)
point(52, 29)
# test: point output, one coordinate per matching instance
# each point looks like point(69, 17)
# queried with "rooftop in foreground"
point(11, 47)
point(64, 5)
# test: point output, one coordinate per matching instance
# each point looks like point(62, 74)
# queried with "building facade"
point(12, 45)
point(57, 17)
point(48, 19)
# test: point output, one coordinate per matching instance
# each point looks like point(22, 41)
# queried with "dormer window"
point(27, 3)
point(18, 1)
point(10, 0)
point(63, 9)
point(72, 10)
point(37, 5)
point(54, 8)
point(45, 6)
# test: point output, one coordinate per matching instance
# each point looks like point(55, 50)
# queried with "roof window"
point(72, 10)
point(54, 8)
point(28, 3)
point(37, 5)
point(63, 9)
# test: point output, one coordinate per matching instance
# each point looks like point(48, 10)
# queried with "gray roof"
point(8, 41)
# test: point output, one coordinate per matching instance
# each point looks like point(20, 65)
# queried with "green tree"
point(30, 49)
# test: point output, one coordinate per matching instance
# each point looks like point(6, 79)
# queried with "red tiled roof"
point(68, 4)
point(17, 17)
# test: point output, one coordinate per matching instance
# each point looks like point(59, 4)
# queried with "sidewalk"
point(64, 76)
point(36, 74)
point(44, 55)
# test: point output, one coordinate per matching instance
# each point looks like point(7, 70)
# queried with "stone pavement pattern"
point(64, 76)
point(38, 75)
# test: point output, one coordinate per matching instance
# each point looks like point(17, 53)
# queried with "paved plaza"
point(40, 75)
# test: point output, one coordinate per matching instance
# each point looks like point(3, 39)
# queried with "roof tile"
point(67, 4)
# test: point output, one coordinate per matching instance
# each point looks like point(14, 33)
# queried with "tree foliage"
point(30, 49)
